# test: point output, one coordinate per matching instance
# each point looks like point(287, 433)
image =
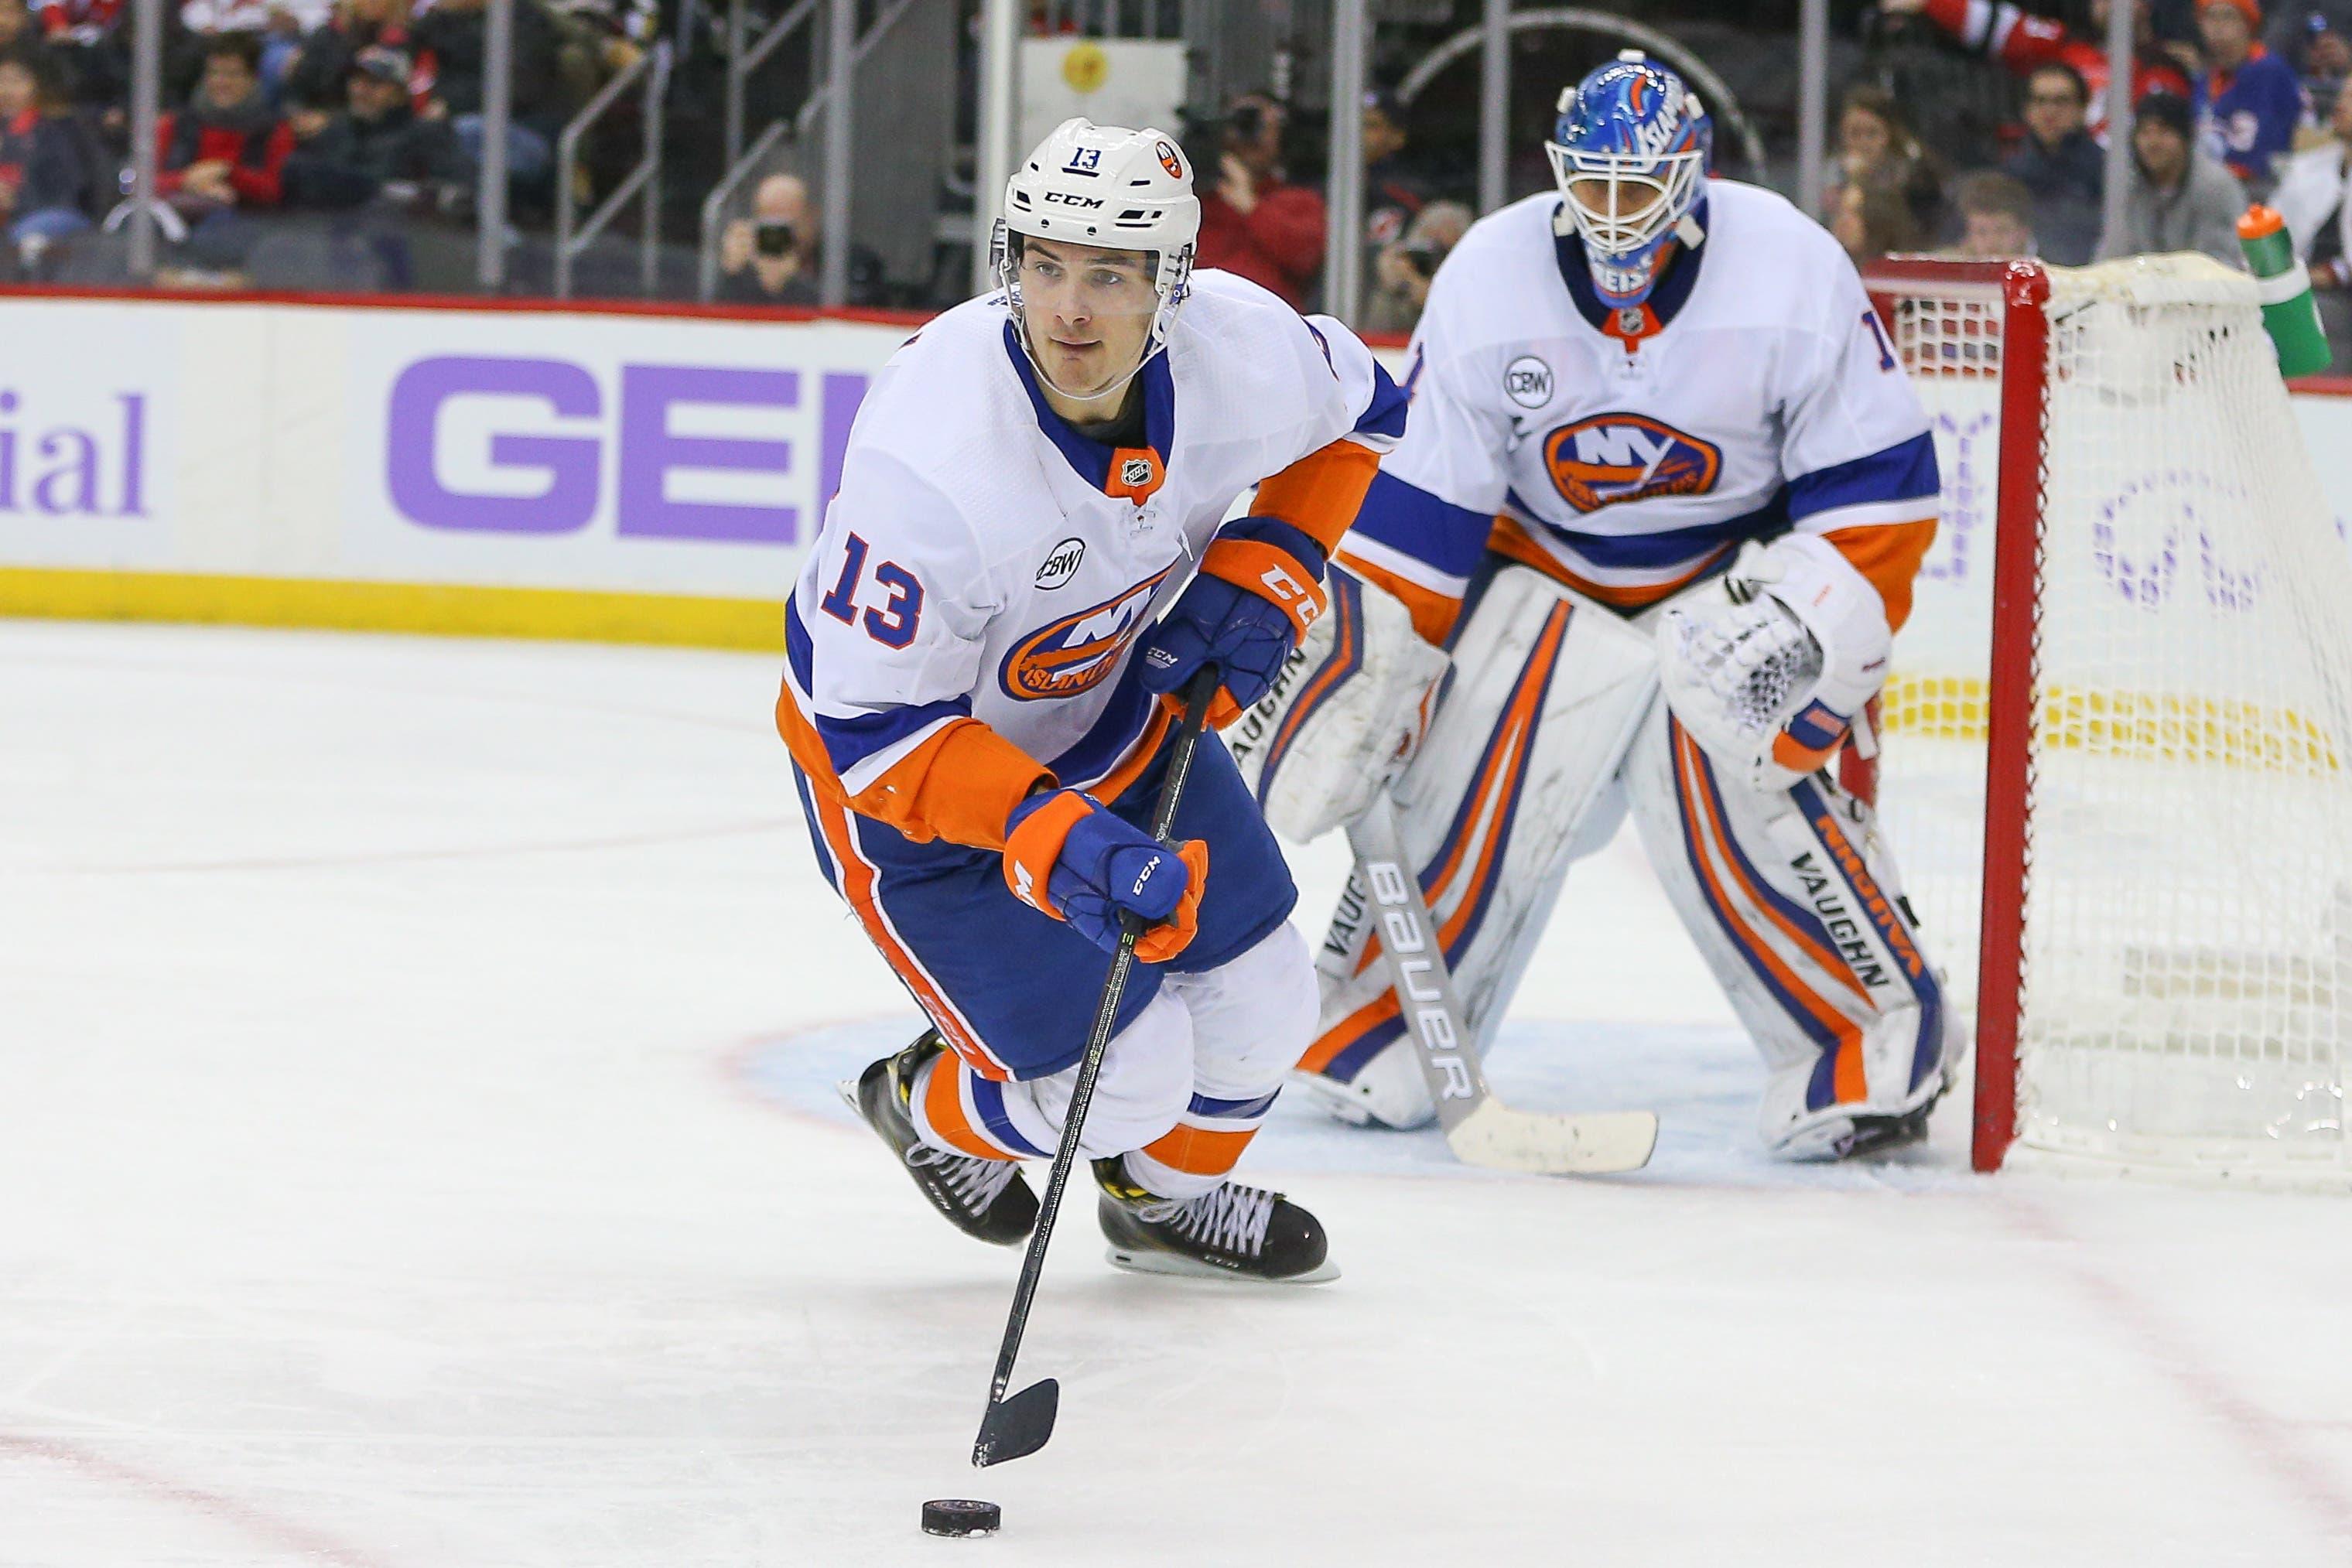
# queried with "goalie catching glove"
point(1768, 664)
point(1069, 856)
point(1260, 587)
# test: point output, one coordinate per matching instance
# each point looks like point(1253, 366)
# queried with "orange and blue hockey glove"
point(1068, 855)
point(1261, 586)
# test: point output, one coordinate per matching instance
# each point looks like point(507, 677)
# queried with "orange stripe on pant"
point(858, 887)
point(1199, 1151)
point(1849, 1081)
point(943, 1108)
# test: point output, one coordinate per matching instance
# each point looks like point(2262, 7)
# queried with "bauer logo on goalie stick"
point(1401, 928)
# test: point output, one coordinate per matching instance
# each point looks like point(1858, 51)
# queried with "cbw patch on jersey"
point(1607, 459)
point(1077, 652)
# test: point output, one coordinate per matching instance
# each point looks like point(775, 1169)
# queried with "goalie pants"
point(1203, 1042)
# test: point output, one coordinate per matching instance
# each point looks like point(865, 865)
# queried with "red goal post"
point(2114, 758)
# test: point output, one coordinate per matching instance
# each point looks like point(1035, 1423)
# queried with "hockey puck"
point(961, 1516)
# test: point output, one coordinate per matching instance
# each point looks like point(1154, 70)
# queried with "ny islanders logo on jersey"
point(1608, 459)
point(1078, 651)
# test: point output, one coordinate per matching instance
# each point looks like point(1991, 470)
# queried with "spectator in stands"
point(2178, 197)
point(323, 63)
point(1874, 220)
point(1996, 217)
point(2310, 197)
point(454, 32)
point(1392, 194)
point(227, 148)
point(2059, 164)
point(41, 175)
point(18, 35)
point(2253, 99)
point(280, 25)
point(1877, 147)
point(2022, 41)
point(93, 48)
point(2314, 36)
point(1404, 268)
point(776, 257)
point(378, 147)
point(1252, 221)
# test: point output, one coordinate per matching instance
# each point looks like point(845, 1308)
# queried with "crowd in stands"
point(352, 107)
point(1972, 128)
point(2227, 105)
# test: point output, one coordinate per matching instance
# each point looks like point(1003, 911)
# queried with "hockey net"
point(2116, 749)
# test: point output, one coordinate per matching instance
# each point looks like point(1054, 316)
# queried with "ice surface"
point(417, 1148)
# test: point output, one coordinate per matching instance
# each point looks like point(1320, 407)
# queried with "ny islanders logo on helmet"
point(1078, 651)
point(1630, 152)
point(1611, 458)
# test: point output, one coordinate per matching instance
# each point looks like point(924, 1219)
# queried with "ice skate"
point(1228, 1231)
point(987, 1199)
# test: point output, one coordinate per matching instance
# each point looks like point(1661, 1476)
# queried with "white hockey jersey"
point(1628, 453)
point(986, 565)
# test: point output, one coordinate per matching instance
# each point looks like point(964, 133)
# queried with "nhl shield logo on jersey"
point(1611, 458)
point(1078, 651)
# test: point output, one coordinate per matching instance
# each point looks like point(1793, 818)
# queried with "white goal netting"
point(2185, 988)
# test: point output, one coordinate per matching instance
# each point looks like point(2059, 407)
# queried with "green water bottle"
point(2289, 312)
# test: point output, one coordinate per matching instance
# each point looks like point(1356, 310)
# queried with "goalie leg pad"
point(1794, 903)
point(1514, 780)
point(1345, 713)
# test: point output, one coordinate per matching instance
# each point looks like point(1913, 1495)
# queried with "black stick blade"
point(1017, 1427)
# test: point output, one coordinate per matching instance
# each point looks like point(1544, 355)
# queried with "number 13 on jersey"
point(892, 624)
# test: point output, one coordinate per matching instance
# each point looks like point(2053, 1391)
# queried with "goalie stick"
point(1011, 1428)
point(1479, 1128)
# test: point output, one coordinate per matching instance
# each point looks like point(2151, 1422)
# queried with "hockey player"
point(1028, 554)
point(1661, 446)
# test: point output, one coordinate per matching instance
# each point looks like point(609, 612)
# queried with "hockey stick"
point(1011, 1428)
point(1479, 1128)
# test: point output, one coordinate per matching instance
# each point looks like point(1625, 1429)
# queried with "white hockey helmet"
point(1108, 186)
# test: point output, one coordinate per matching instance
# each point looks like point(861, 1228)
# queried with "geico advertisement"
point(674, 455)
point(86, 418)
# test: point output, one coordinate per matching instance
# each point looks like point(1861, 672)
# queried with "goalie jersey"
point(968, 618)
point(1630, 453)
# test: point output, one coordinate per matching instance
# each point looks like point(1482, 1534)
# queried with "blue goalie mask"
point(1630, 152)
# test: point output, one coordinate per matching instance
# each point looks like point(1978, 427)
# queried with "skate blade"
point(848, 1088)
point(1138, 1261)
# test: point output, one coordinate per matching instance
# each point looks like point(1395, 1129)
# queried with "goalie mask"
point(1117, 211)
point(1630, 152)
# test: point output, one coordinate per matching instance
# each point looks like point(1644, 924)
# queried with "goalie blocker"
point(1552, 726)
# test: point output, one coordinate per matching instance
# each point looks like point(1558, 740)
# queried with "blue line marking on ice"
point(1704, 1083)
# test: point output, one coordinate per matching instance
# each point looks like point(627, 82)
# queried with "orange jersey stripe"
point(959, 784)
point(1434, 613)
point(1889, 555)
point(1321, 493)
point(1512, 540)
